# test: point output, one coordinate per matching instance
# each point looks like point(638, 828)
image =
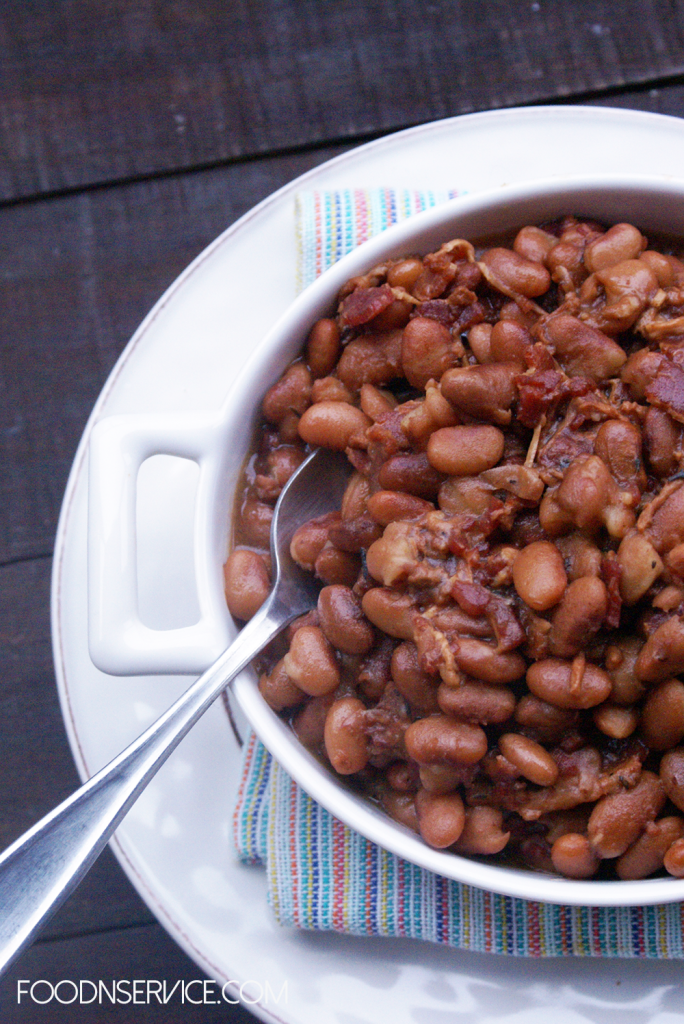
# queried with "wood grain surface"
point(132, 132)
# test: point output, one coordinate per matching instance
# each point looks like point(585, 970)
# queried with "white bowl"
point(122, 645)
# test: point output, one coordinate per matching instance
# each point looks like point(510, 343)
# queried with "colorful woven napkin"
point(321, 874)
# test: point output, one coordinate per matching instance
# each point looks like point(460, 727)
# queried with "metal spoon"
point(40, 869)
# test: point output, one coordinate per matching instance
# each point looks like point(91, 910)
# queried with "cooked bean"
point(618, 443)
point(310, 538)
point(510, 343)
point(355, 496)
point(620, 660)
point(581, 349)
point(418, 687)
point(484, 392)
point(311, 662)
point(337, 567)
point(617, 820)
point(539, 575)
point(390, 612)
point(530, 758)
point(343, 622)
point(440, 817)
point(640, 566)
point(666, 528)
point(621, 242)
point(569, 684)
point(354, 535)
point(639, 370)
point(439, 738)
point(662, 716)
point(549, 722)
point(405, 273)
point(479, 339)
point(440, 778)
point(579, 615)
point(410, 472)
point(371, 359)
point(323, 347)
point(580, 556)
point(330, 389)
point(247, 583)
point(402, 777)
point(389, 506)
point(615, 721)
point(476, 701)
point(662, 439)
point(255, 523)
point(646, 854)
point(426, 351)
point(673, 861)
point(514, 274)
point(278, 690)
point(345, 736)
point(465, 494)
point(573, 856)
point(332, 424)
point(464, 451)
point(485, 662)
point(663, 653)
point(672, 775)
point(309, 722)
point(534, 243)
point(400, 806)
point(483, 832)
point(292, 393)
point(374, 402)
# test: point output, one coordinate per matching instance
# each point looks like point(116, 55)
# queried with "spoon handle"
point(41, 868)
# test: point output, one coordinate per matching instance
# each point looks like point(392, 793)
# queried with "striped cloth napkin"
point(321, 874)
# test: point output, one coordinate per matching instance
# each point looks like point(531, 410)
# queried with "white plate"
point(175, 843)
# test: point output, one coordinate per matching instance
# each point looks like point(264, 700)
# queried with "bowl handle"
point(120, 644)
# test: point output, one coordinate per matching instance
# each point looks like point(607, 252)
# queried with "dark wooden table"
point(131, 133)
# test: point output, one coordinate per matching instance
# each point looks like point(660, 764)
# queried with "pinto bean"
point(673, 861)
point(255, 523)
point(483, 832)
point(539, 575)
point(579, 615)
point(662, 441)
point(426, 351)
point(484, 392)
point(510, 343)
point(617, 820)
point(483, 661)
point(534, 243)
point(569, 684)
point(666, 527)
point(621, 242)
point(465, 494)
point(646, 854)
point(662, 715)
point(440, 778)
point(345, 736)
point(620, 660)
point(573, 856)
point(323, 347)
point(662, 655)
point(311, 662)
point(332, 424)
point(479, 339)
point(418, 687)
point(374, 402)
point(532, 760)
point(337, 567)
point(590, 497)
point(548, 722)
point(476, 701)
point(514, 274)
point(309, 722)
point(440, 817)
point(405, 273)
point(581, 557)
point(309, 539)
point(639, 371)
point(390, 612)
point(410, 472)
point(640, 566)
point(465, 451)
point(615, 721)
point(247, 583)
point(278, 690)
point(343, 622)
point(672, 775)
point(390, 506)
point(582, 350)
point(440, 739)
point(292, 393)
point(371, 359)
point(355, 496)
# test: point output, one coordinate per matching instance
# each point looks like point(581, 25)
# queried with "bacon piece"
point(363, 304)
point(666, 390)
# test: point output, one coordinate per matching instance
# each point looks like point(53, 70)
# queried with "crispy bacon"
point(363, 304)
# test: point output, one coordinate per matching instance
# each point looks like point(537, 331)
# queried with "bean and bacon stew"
point(496, 652)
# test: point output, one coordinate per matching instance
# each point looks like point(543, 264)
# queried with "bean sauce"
point(497, 649)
